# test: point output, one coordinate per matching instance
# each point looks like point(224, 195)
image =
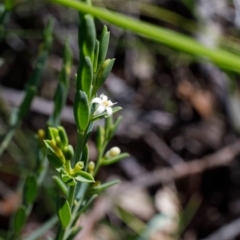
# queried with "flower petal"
point(109, 111)
point(110, 103)
point(100, 109)
point(96, 100)
point(104, 97)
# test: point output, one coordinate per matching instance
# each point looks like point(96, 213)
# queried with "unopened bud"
point(113, 152)
point(68, 152)
point(56, 150)
point(63, 135)
point(91, 167)
point(41, 134)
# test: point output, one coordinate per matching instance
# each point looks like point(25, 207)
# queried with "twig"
point(220, 158)
point(162, 149)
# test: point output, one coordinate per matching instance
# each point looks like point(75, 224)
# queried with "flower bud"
point(63, 135)
point(91, 167)
point(58, 142)
point(56, 150)
point(68, 152)
point(41, 134)
point(113, 152)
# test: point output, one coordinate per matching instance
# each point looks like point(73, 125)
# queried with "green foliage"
point(75, 175)
point(161, 35)
point(19, 219)
point(81, 110)
point(30, 190)
point(64, 212)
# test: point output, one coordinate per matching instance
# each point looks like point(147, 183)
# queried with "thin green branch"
point(164, 36)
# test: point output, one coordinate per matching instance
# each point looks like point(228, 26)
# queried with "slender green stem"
point(43, 229)
point(100, 156)
point(68, 166)
point(7, 140)
point(167, 37)
point(71, 195)
point(60, 234)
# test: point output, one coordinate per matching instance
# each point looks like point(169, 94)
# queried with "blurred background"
point(181, 121)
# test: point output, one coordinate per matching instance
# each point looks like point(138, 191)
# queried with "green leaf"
point(104, 41)
point(55, 161)
point(63, 135)
point(55, 156)
point(87, 76)
point(64, 212)
point(59, 183)
point(84, 177)
point(53, 132)
point(90, 36)
point(27, 101)
point(68, 180)
point(102, 115)
point(19, 219)
point(114, 159)
point(103, 73)
point(47, 34)
point(30, 190)
point(104, 186)
point(81, 110)
point(96, 52)
point(9, 4)
point(68, 152)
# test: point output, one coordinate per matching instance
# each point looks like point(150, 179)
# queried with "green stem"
point(164, 36)
point(71, 195)
point(99, 159)
point(60, 234)
point(68, 166)
point(7, 140)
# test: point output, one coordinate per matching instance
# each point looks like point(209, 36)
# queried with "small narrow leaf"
point(87, 76)
point(19, 219)
point(103, 74)
point(27, 101)
point(30, 189)
point(84, 177)
point(64, 212)
point(81, 110)
point(114, 159)
point(53, 132)
point(68, 180)
point(96, 54)
point(104, 41)
point(104, 186)
point(63, 135)
point(55, 161)
point(90, 36)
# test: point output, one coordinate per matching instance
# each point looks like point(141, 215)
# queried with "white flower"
point(103, 105)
